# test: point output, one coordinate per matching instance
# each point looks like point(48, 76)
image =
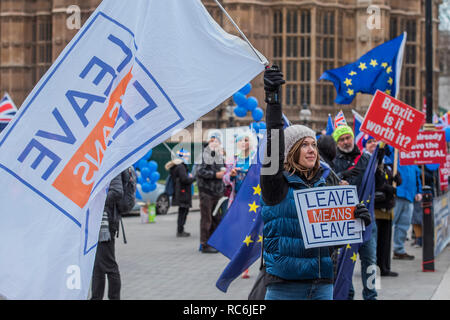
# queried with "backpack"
point(170, 189)
point(128, 201)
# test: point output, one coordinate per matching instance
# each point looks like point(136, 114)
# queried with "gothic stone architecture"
point(304, 37)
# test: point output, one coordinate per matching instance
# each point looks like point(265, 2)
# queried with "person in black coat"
point(182, 196)
point(327, 149)
point(384, 203)
point(105, 258)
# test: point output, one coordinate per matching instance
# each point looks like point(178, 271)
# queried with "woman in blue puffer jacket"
point(293, 272)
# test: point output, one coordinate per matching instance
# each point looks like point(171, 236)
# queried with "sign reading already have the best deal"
point(326, 216)
point(430, 147)
point(392, 121)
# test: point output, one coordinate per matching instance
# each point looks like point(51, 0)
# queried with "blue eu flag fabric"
point(239, 236)
point(378, 69)
point(348, 255)
point(330, 126)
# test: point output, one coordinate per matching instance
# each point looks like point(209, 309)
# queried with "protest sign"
point(326, 216)
point(127, 80)
point(392, 121)
point(430, 148)
point(444, 172)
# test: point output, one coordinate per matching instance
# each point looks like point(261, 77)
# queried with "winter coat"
point(327, 149)
point(182, 182)
point(351, 166)
point(384, 189)
point(284, 250)
point(115, 194)
point(206, 173)
point(412, 183)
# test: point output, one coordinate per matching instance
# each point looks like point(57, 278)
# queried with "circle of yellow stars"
point(253, 206)
point(363, 66)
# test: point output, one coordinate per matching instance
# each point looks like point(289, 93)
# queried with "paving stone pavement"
point(156, 265)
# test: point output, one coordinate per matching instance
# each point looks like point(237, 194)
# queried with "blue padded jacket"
point(284, 252)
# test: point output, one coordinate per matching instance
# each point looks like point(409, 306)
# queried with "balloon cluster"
point(249, 104)
point(147, 173)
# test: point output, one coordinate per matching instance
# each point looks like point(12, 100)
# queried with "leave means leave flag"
point(8, 111)
point(378, 69)
point(134, 73)
point(348, 255)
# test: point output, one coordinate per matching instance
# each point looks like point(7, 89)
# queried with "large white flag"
point(136, 72)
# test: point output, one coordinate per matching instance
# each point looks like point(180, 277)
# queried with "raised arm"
point(273, 185)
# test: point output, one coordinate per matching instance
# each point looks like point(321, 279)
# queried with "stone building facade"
point(305, 37)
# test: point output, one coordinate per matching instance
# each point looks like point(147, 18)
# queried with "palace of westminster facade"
point(304, 37)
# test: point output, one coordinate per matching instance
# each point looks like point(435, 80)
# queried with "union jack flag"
point(359, 135)
point(339, 119)
point(7, 111)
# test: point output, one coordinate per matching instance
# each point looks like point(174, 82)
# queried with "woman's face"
point(371, 145)
point(244, 144)
point(308, 153)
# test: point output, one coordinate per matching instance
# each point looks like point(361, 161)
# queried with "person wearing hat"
point(347, 162)
point(369, 144)
point(292, 271)
point(182, 196)
point(211, 189)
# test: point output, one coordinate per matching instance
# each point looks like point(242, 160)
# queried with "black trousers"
point(182, 216)
point(105, 265)
point(384, 240)
point(208, 223)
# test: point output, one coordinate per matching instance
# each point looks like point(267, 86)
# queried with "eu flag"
point(378, 69)
point(239, 235)
point(347, 256)
point(330, 126)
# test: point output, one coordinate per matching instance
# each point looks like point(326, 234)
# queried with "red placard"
point(429, 148)
point(444, 172)
point(392, 121)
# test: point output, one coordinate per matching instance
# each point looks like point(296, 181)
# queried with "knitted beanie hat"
point(340, 131)
point(293, 134)
point(365, 139)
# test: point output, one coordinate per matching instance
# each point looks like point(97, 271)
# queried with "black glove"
point(273, 80)
point(362, 213)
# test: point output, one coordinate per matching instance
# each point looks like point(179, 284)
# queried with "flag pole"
point(398, 75)
point(266, 63)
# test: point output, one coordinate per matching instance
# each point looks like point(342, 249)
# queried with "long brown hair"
point(293, 166)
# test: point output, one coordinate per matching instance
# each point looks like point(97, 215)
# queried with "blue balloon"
point(246, 89)
point(255, 126)
point(138, 195)
point(154, 176)
point(141, 164)
point(252, 103)
point(145, 172)
point(432, 167)
point(257, 114)
point(262, 125)
point(447, 133)
point(146, 187)
point(239, 98)
point(240, 112)
point(153, 166)
point(140, 180)
point(148, 155)
point(152, 187)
